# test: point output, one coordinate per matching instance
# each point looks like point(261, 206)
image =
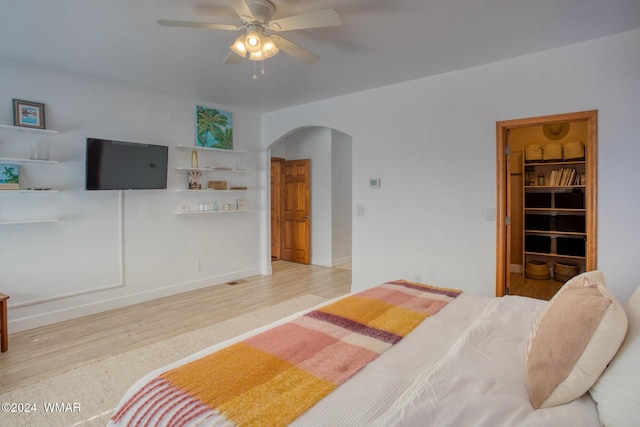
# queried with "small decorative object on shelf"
point(214, 128)
point(529, 175)
point(194, 180)
point(216, 207)
point(9, 177)
point(39, 150)
point(194, 159)
point(241, 204)
point(555, 131)
point(541, 179)
point(218, 185)
point(28, 114)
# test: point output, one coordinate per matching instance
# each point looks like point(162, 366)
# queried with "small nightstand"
point(4, 329)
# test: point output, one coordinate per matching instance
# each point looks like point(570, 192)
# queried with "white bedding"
point(463, 366)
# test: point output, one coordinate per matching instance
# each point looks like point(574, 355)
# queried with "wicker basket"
point(533, 153)
point(573, 150)
point(563, 271)
point(552, 153)
point(537, 270)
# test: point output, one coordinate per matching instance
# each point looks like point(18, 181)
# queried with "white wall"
point(341, 197)
point(154, 250)
point(432, 141)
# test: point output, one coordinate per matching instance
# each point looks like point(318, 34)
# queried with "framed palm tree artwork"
point(9, 177)
point(214, 128)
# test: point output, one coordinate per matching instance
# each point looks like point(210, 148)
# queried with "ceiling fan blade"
point(243, 10)
point(297, 51)
point(192, 24)
point(233, 58)
point(321, 18)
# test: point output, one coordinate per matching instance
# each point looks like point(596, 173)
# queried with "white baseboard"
point(18, 324)
point(321, 261)
point(343, 260)
point(330, 262)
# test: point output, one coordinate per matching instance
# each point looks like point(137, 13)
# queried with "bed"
point(470, 360)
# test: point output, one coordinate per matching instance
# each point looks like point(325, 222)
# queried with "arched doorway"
point(330, 155)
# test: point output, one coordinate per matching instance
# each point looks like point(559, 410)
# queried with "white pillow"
point(617, 392)
point(573, 340)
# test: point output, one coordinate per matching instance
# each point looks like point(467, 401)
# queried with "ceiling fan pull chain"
point(262, 72)
point(255, 76)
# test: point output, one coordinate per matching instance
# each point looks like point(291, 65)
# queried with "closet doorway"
point(519, 175)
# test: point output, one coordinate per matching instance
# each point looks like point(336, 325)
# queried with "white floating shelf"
point(208, 191)
point(28, 130)
point(211, 212)
point(182, 168)
point(23, 160)
point(221, 150)
point(27, 191)
point(210, 169)
point(28, 221)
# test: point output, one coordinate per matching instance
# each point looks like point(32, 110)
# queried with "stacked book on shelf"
point(566, 177)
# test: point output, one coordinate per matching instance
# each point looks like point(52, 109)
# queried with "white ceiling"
point(381, 42)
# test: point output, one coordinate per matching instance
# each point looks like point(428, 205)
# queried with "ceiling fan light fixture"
point(269, 47)
point(256, 56)
point(253, 41)
point(238, 47)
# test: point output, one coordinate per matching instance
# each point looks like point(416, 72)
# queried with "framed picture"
point(9, 176)
point(214, 128)
point(28, 114)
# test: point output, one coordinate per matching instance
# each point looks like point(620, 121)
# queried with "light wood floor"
point(39, 353)
point(540, 289)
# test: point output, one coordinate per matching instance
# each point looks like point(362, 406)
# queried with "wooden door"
point(503, 229)
point(507, 262)
point(296, 214)
point(277, 167)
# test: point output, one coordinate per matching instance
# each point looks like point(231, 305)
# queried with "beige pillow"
point(573, 340)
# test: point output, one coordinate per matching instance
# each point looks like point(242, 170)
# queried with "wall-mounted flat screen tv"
point(119, 165)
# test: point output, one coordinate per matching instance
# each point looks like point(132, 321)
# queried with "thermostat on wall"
point(374, 182)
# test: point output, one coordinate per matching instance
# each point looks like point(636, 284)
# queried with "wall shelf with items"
point(28, 130)
point(23, 160)
point(206, 212)
point(29, 191)
point(555, 215)
point(29, 221)
point(39, 155)
point(218, 172)
point(39, 151)
point(219, 150)
point(209, 190)
point(212, 169)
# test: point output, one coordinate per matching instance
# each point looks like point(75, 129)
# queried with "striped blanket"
point(275, 376)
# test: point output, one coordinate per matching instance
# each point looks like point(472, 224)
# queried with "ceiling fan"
point(258, 43)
